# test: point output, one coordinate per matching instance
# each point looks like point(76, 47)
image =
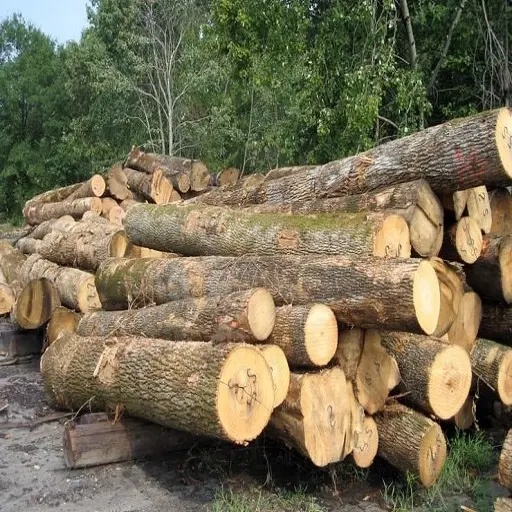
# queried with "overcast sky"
point(60, 19)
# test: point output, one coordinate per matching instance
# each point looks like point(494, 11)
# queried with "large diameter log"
point(95, 186)
point(411, 442)
point(462, 241)
point(241, 316)
point(92, 442)
point(276, 361)
point(505, 464)
point(7, 297)
point(62, 320)
point(155, 187)
point(51, 196)
point(479, 207)
point(11, 261)
point(491, 275)
point(40, 212)
point(457, 155)
point(492, 365)
point(307, 334)
point(464, 329)
point(75, 287)
point(414, 201)
point(436, 376)
point(223, 391)
point(62, 223)
point(400, 294)
point(207, 230)
point(496, 323)
point(501, 206)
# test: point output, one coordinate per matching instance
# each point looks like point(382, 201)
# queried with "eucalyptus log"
point(479, 207)
point(505, 464)
point(462, 241)
point(41, 230)
point(400, 294)
point(492, 365)
point(276, 361)
point(38, 213)
point(246, 316)
point(155, 187)
point(411, 442)
point(367, 444)
point(222, 391)
point(501, 211)
point(435, 376)
point(227, 176)
point(496, 323)
point(307, 334)
point(95, 186)
point(205, 230)
point(62, 320)
point(464, 329)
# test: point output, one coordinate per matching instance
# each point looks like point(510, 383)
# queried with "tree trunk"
point(40, 212)
point(7, 297)
point(51, 196)
point(76, 288)
point(246, 316)
point(464, 329)
point(62, 320)
point(307, 334)
point(492, 364)
point(503, 505)
point(411, 442)
point(400, 294)
point(349, 351)
point(317, 416)
point(414, 201)
point(367, 444)
point(154, 187)
point(505, 465)
point(276, 361)
point(436, 376)
point(93, 187)
point(95, 440)
point(62, 224)
point(456, 155)
point(479, 207)
point(223, 391)
point(501, 206)
point(282, 172)
point(491, 275)
point(204, 230)
point(462, 241)
point(496, 323)
point(227, 176)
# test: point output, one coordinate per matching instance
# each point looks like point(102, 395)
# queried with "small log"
point(503, 505)
point(492, 364)
point(462, 241)
point(464, 329)
point(367, 444)
point(92, 442)
point(496, 323)
point(479, 207)
point(436, 376)
point(400, 294)
point(501, 206)
point(276, 361)
point(247, 316)
point(7, 297)
point(62, 224)
point(155, 187)
point(93, 187)
point(205, 230)
point(51, 196)
point(40, 212)
point(505, 464)
point(411, 442)
point(307, 334)
point(75, 287)
point(349, 351)
point(491, 275)
point(62, 320)
point(222, 391)
point(227, 176)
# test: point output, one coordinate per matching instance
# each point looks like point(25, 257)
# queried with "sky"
point(62, 20)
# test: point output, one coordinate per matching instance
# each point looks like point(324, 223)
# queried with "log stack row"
point(347, 309)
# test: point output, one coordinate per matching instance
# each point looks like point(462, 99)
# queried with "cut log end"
point(465, 418)
point(227, 176)
point(505, 258)
point(464, 329)
point(276, 360)
point(245, 394)
point(320, 334)
point(98, 185)
point(96, 205)
point(161, 188)
point(450, 381)
point(62, 320)
point(348, 353)
point(505, 379)
point(468, 240)
point(261, 314)
point(199, 177)
point(366, 444)
point(426, 297)
point(504, 139)
point(479, 207)
point(118, 245)
point(36, 303)
point(88, 298)
point(116, 215)
point(432, 455)
point(393, 238)
point(7, 299)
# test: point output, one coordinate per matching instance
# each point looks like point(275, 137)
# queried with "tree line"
point(252, 84)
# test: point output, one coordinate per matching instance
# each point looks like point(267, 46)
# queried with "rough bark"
point(464, 329)
point(307, 334)
point(282, 172)
point(496, 323)
point(62, 320)
point(51, 196)
point(62, 224)
point(246, 316)
point(501, 206)
point(462, 241)
point(505, 464)
point(93, 187)
point(400, 294)
point(492, 364)
point(29, 245)
point(222, 391)
point(204, 230)
point(411, 442)
point(40, 212)
point(154, 187)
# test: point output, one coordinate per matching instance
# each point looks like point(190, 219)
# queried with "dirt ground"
point(33, 476)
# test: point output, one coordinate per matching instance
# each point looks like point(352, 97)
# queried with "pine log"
point(7, 297)
point(155, 187)
point(62, 320)
point(51, 196)
point(75, 287)
point(222, 391)
point(207, 230)
point(93, 187)
point(491, 275)
point(400, 294)
point(414, 201)
point(307, 334)
point(117, 182)
point(11, 261)
point(492, 364)
point(92, 442)
point(436, 376)
point(505, 464)
point(227, 176)
point(501, 208)
point(366, 444)
point(479, 207)
point(316, 417)
point(503, 505)
point(457, 155)
point(377, 374)
point(462, 241)
point(411, 442)
point(496, 323)
point(464, 329)
point(41, 230)
point(276, 361)
point(246, 316)
point(40, 212)
point(349, 351)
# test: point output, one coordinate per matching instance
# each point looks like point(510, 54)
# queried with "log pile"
point(345, 309)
